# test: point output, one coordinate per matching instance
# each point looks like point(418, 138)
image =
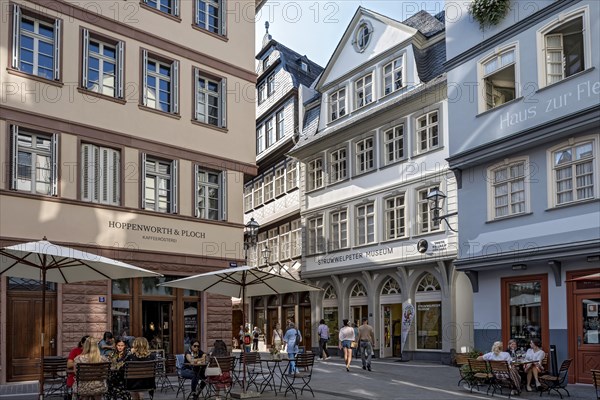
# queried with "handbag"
point(353, 344)
point(213, 371)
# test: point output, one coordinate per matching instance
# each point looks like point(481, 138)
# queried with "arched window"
point(428, 284)
point(391, 286)
point(358, 290)
point(429, 314)
point(330, 293)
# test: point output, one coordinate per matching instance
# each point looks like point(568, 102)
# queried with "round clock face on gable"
point(362, 36)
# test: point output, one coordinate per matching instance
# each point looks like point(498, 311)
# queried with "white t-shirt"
point(535, 356)
point(502, 356)
point(346, 333)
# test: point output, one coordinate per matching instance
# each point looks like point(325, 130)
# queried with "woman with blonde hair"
point(140, 351)
point(498, 355)
point(91, 390)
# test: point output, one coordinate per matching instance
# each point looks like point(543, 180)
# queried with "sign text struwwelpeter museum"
point(152, 232)
point(355, 256)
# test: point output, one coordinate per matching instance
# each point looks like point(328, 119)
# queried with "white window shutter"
point(54, 160)
point(104, 176)
point(175, 91)
point(145, 78)
point(223, 16)
point(198, 5)
point(196, 190)
point(143, 180)
point(16, 39)
point(87, 172)
point(196, 89)
point(14, 156)
point(176, 8)
point(223, 98)
point(223, 198)
point(120, 68)
point(57, 25)
point(85, 58)
point(115, 176)
point(174, 186)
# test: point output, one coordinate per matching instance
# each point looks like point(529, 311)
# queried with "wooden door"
point(272, 321)
point(306, 327)
point(24, 318)
point(587, 336)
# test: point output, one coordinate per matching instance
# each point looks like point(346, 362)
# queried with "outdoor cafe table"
point(274, 368)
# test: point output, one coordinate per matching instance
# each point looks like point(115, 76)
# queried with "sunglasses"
point(195, 345)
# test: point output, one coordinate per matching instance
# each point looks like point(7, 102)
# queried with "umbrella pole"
point(244, 320)
point(41, 395)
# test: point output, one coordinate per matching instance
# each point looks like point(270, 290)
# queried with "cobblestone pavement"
point(389, 380)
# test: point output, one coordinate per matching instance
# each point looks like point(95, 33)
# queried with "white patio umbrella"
point(241, 282)
point(49, 262)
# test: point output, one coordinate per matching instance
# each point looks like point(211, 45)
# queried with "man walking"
point(366, 340)
point(323, 332)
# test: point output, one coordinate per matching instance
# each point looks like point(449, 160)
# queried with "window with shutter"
point(170, 7)
point(34, 162)
point(160, 83)
point(209, 194)
point(211, 15)
point(210, 99)
point(102, 64)
point(100, 174)
point(158, 186)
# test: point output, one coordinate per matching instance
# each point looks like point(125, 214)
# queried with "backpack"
point(298, 338)
point(256, 335)
point(247, 340)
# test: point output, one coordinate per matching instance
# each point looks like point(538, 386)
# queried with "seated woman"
point(222, 381)
point(535, 354)
point(512, 348)
point(498, 355)
point(90, 390)
point(71, 361)
point(140, 352)
point(116, 388)
point(191, 368)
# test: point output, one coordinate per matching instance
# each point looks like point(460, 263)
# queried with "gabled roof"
point(426, 23)
point(430, 60)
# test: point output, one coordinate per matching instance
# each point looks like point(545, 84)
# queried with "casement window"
point(509, 189)
point(425, 222)
point(270, 85)
point(395, 217)
point(365, 155)
point(338, 230)
point(100, 174)
point(285, 251)
point(280, 124)
point(270, 132)
point(159, 187)
point(210, 198)
point(392, 76)
point(292, 175)
point(574, 172)
point(393, 144)
point(428, 134)
point(248, 197)
point(268, 187)
point(160, 83)
point(363, 91)
point(499, 77)
point(362, 36)
point(260, 139)
point(273, 245)
point(36, 44)
point(279, 181)
point(211, 15)
point(258, 193)
point(337, 104)
point(315, 174)
point(102, 64)
point(262, 92)
point(365, 223)
point(170, 7)
point(565, 49)
point(316, 232)
point(296, 238)
point(34, 162)
point(338, 165)
point(210, 99)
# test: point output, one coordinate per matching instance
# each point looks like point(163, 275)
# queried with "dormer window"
point(362, 36)
point(266, 64)
point(304, 66)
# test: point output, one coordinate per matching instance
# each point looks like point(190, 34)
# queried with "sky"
point(315, 27)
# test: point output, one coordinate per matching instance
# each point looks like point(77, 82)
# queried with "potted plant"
point(489, 12)
point(274, 352)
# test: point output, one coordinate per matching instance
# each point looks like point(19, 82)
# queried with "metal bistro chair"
point(55, 376)
point(91, 379)
point(179, 361)
point(502, 378)
point(462, 362)
point(557, 382)
point(225, 381)
point(140, 376)
point(254, 370)
point(596, 379)
point(162, 379)
point(301, 379)
point(481, 373)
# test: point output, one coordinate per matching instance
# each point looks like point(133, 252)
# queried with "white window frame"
point(364, 154)
point(279, 181)
point(338, 229)
point(573, 143)
point(270, 132)
point(260, 139)
point(362, 36)
point(497, 55)
point(271, 85)
point(35, 168)
point(510, 185)
point(269, 189)
point(172, 79)
point(397, 143)
point(365, 223)
point(391, 75)
point(296, 238)
point(273, 244)
point(430, 131)
point(100, 174)
point(203, 13)
point(338, 165)
point(220, 186)
point(362, 86)
point(261, 92)
point(291, 181)
point(202, 93)
point(338, 104)
point(315, 235)
point(172, 6)
point(424, 210)
point(172, 183)
point(257, 195)
point(18, 33)
point(315, 174)
point(280, 124)
point(118, 61)
point(397, 215)
point(285, 236)
point(558, 21)
point(248, 192)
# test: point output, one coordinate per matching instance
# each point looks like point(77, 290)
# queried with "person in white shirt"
point(498, 355)
point(346, 338)
point(536, 354)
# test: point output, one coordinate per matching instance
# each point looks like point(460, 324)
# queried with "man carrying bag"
point(366, 340)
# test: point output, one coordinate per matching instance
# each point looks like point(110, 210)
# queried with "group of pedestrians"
point(360, 339)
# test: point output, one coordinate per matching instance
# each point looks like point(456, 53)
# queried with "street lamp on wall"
point(266, 253)
point(250, 236)
point(436, 202)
